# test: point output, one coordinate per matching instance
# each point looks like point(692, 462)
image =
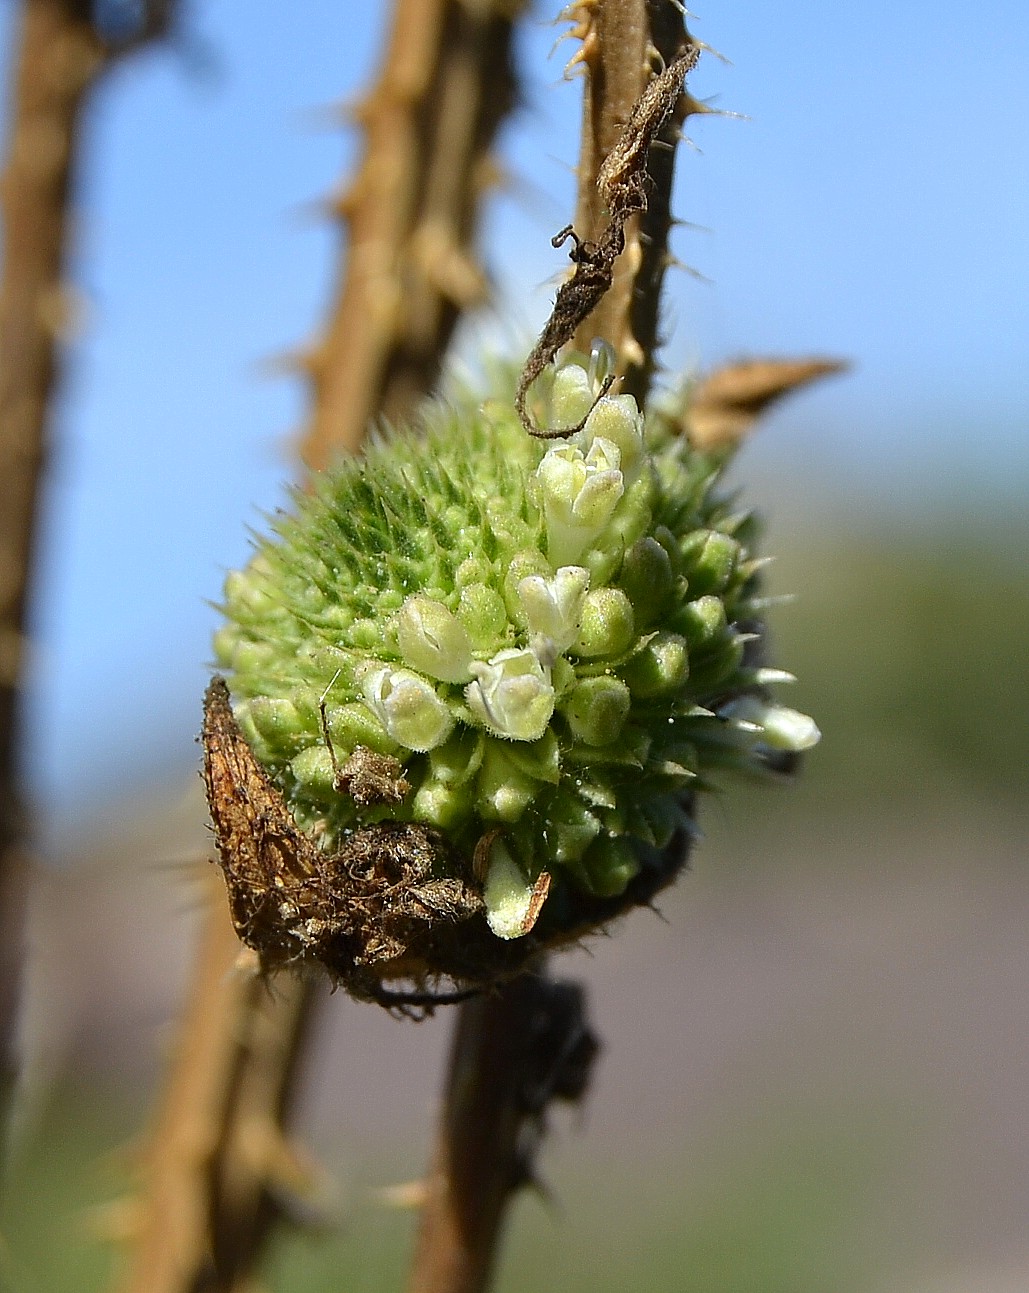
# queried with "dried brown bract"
point(373, 909)
point(622, 183)
point(370, 778)
point(728, 403)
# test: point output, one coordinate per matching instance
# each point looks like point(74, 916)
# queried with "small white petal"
point(407, 707)
point(512, 695)
point(553, 610)
point(776, 726)
point(512, 903)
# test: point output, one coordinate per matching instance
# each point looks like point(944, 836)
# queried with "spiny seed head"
point(550, 638)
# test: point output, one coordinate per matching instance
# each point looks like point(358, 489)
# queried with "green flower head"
point(555, 640)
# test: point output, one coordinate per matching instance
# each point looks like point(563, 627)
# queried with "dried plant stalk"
point(62, 53)
point(622, 185)
point(204, 1181)
point(410, 216)
point(513, 1053)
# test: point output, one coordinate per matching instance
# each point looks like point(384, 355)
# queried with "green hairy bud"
point(553, 644)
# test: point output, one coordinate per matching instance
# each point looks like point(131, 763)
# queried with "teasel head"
point(485, 677)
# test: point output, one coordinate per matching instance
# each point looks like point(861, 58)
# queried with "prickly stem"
point(410, 216)
point(624, 42)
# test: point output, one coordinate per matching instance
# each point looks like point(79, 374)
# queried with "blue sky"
point(873, 203)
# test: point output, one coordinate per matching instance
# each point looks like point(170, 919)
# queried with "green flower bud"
point(616, 419)
point(646, 577)
point(473, 570)
point(504, 790)
point(571, 826)
point(440, 804)
point(349, 725)
point(709, 560)
point(714, 669)
point(250, 590)
point(312, 768)
point(704, 623)
point(571, 396)
point(607, 624)
point(659, 668)
point(277, 720)
point(483, 614)
point(597, 709)
point(608, 866)
point(433, 641)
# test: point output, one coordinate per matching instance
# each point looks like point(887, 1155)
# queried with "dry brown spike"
point(373, 909)
point(410, 217)
point(726, 405)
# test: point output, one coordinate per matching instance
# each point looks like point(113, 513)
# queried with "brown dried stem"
point(62, 53)
point(624, 43)
point(205, 1181)
point(512, 1054)
point(477, 1162)
point(410, 216)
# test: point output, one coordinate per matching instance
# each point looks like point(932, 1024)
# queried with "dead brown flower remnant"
point(622, 185)
point(370, 778)
point(373, 909)
point(727, 404)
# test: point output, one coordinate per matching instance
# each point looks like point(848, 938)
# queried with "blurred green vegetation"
point(777, 1205)
point(911, 647)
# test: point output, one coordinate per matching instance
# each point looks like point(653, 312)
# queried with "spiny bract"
point(549, 636)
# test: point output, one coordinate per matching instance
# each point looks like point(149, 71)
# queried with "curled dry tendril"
point(622, 183)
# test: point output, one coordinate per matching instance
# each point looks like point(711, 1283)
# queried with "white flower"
point(512, 903)
point(433, 641)
point(618, 420)
point(512, 695)
point(407, 707)
point(553, 610)
point(773, 725)
point(578, 492)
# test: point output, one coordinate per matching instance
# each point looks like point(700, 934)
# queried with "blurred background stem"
point(64, 48)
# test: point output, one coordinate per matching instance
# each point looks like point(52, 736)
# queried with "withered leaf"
point(372, 903)
point(370, 778)
point(728, 403)
point(622, 182)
